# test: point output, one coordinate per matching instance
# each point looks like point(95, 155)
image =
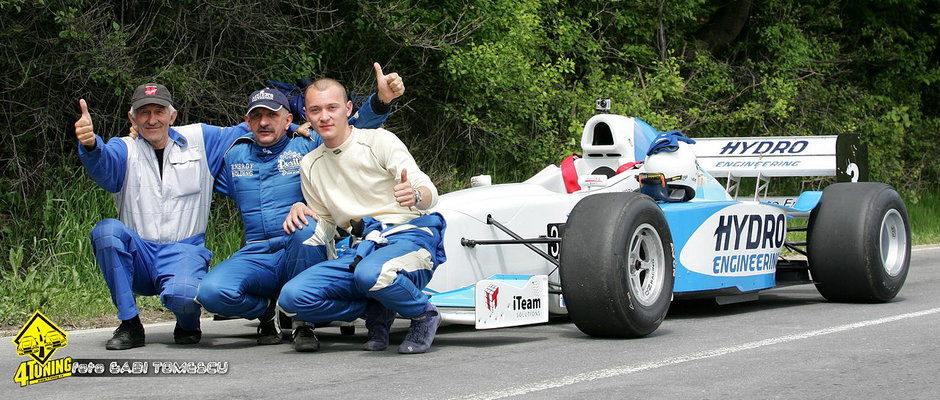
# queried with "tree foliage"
point(493, 86)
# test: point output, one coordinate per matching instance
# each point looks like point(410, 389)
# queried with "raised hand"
point(84, 129)
point(303, 129)
point(390, 86)
point(404, 192)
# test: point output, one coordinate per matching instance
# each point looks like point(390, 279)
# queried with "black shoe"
point(304, 339)
point(182, 336)
point(378, 321)
point(127, 336)
point(269, 328)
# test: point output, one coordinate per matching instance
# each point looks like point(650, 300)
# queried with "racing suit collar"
point(273, 149)
point(341, 149)
point(176, 137)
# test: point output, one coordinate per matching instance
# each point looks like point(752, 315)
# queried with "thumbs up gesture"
point(84, 129)
point(390, 86)
point(405, 194)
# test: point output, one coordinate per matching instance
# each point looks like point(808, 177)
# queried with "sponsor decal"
point(780, 200)
point(739, 240)
point(243, 169)
point(750, 231)
point(491, 295)
point(39, 339)
point(288, 163)
point(520, 303)
point(764, 147)
point(501, 303)
point(150, 90)
point(757, 164)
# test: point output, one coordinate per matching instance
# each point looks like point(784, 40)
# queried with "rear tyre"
point(617, 265)
point(859, 245)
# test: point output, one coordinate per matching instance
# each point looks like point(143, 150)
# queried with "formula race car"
point(609, 238)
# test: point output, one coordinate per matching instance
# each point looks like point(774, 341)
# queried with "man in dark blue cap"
point(261, 172)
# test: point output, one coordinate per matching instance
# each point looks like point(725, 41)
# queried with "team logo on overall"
point(243, 169)
point(289, 162)
point(39, 339)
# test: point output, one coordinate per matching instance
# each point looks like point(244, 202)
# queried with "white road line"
point(629, 369)
point(110, 329)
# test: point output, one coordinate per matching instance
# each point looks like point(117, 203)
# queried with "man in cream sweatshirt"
point(367, 182)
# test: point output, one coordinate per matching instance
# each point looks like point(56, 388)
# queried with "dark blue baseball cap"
point(271, 99)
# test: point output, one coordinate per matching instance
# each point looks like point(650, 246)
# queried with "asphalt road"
point(789, 344)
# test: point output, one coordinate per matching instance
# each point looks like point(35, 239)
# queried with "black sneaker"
point(269, 328)
point(127, 336)
point(304, 339)
point(182, 336)
point(378, 321)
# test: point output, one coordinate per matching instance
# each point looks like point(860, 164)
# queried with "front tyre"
point(617, 265)
point(859, 242)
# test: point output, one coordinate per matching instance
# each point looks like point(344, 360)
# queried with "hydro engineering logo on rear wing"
point(841, 156)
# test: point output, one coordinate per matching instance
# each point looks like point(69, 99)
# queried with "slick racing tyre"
point(617, 265)
point(859, 242)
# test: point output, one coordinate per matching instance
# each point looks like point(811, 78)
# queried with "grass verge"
point(925, 218)
point(47, 262)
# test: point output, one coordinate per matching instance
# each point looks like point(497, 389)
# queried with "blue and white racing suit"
point(265, 183)
point(386, 266)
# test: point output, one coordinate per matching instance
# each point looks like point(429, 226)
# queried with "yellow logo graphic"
point(40, 338)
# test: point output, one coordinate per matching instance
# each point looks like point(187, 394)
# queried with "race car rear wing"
point(842, 156)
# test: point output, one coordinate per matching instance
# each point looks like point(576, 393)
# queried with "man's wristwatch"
point(418, 197)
